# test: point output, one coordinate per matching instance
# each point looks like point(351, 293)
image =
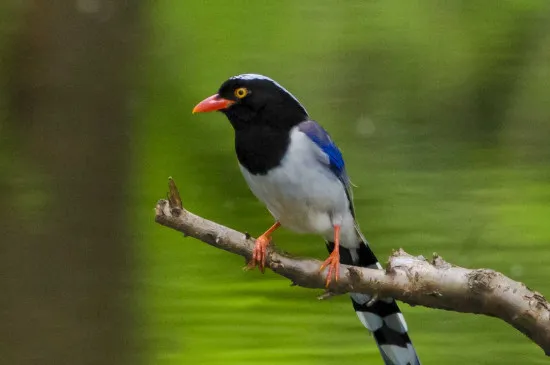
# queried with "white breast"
point(303, 194)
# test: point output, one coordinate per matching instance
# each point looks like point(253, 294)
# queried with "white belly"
point(304, 195)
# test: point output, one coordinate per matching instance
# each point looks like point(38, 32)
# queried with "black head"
point(252, 100)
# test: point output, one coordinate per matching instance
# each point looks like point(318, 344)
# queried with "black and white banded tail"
point(382, 317)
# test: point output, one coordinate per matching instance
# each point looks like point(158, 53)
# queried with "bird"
point(293, 166)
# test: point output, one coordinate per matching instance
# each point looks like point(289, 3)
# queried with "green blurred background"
point(442, 111)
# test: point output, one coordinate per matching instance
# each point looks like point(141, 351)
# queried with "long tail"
point(381, 317)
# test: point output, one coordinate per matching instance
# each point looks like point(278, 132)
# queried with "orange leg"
point(333, 261)
point(260, 248)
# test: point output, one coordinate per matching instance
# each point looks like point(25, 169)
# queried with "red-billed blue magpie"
point(292, 165)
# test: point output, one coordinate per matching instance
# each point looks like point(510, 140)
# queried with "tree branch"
point(413, 280)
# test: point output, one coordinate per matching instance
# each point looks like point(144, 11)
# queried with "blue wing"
point(333, 159)
point(322, 139)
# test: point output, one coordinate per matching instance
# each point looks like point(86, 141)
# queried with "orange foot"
point(260, 249)
point(333, 264)
point(333, 260)
point(259, 253)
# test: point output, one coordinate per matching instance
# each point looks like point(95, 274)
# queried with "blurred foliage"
point(442, 111)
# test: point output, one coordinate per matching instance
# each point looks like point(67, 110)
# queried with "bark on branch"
point(414, 280)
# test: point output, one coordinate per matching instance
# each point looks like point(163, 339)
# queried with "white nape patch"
point(399, 355)
point(262, 77)
point(251, 77)
point(370, 320)
point(360, 298)
point(396, 322)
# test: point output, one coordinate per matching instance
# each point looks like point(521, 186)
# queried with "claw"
point(333, 264)
point(333, 260)
point(259, 253)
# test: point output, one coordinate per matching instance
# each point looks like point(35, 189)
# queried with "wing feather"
point(333, 157)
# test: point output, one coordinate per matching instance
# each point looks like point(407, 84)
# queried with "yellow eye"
point(241, 92)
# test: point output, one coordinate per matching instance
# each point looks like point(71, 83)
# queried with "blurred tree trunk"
point(65, 253)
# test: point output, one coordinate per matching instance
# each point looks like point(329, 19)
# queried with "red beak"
point(212, 103)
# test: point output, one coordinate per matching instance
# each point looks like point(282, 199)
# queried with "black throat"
point(261, 148)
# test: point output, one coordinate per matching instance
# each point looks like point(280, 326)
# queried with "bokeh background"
point(441, 108)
